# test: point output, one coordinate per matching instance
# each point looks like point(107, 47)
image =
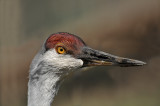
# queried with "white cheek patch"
point(60, 60)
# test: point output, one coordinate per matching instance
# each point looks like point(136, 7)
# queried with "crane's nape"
point(61, 54)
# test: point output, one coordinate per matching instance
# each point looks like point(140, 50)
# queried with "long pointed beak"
point(93, 57)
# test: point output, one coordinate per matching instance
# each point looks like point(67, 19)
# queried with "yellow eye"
point(61, 50)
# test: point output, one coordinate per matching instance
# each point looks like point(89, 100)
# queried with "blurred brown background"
point(128, 28)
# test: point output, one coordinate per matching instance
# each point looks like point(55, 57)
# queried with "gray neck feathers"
point(42, 91)
point(46, 74)
point(42, 86)
point(43, 82)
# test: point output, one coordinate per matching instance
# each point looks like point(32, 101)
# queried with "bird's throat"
point(42, 89)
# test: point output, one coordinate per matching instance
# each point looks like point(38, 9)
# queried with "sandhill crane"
point(61, 54)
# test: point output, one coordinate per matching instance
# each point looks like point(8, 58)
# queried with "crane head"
point(60, 55)
point(64, 50)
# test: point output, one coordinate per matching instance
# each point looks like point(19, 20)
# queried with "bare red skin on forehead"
point(70, 41)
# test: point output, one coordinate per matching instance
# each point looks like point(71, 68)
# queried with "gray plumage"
point(61, 54)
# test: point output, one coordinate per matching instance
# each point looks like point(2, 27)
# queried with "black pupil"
point(61, 49)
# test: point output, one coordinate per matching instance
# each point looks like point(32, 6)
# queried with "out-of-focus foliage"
point(128, 28)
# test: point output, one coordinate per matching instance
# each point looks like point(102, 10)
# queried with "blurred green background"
point(128, 28)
